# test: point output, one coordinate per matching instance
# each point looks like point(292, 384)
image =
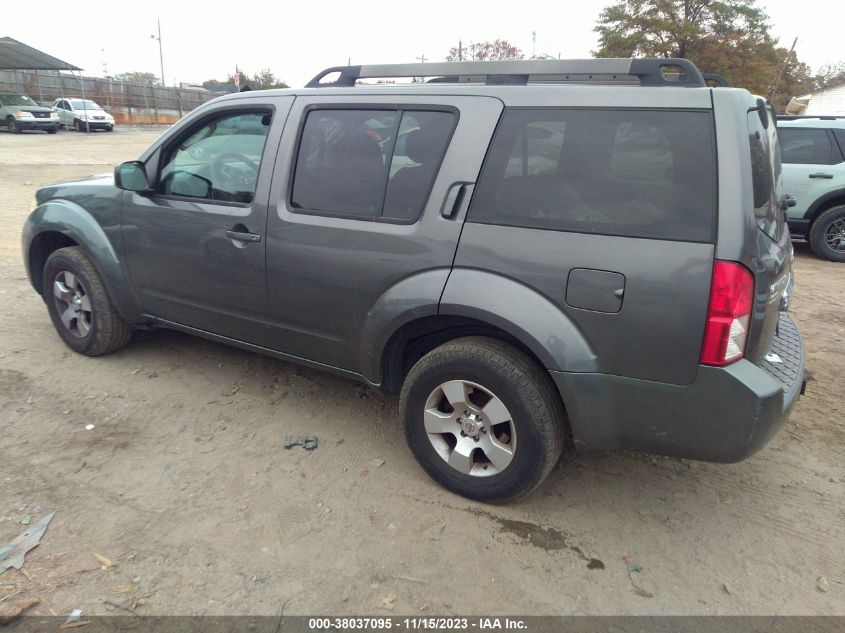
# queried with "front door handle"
point(241, 234)
point(821, 175)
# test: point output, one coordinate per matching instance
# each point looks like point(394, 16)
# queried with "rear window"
point(369, 164)
point(638, 173)
point(806, 146)
point(765, 173)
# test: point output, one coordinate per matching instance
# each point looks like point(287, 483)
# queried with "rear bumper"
point(725, 415)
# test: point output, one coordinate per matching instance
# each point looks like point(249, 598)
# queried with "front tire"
point(483, 419)
point(13, 126)
point(827, 234)
point(79, 305)
point(79, 125)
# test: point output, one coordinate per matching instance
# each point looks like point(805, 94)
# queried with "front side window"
point(376, 164)
point(639, 173)
point(804, 146)
point(218, 160)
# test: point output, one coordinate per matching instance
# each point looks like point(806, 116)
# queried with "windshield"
point(79, 104)
point(16, 100)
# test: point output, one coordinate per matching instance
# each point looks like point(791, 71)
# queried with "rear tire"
point(52, 130)
point(827, 234)
point(79, 305)
point(504, 433)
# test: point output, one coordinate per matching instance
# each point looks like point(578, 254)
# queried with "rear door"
point(813, 165)
point(609, 214)
point(364, 200)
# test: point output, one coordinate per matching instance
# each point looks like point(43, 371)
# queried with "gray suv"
point(531, 253)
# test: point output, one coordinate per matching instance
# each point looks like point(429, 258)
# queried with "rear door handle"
point(821, 175)
point(458, 194)
point(243, 236)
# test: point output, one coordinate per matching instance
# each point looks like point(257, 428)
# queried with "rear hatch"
point(769, 250)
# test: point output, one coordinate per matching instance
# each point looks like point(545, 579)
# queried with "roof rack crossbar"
point(650, 72)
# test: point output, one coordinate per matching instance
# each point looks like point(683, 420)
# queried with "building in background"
point(829, 100)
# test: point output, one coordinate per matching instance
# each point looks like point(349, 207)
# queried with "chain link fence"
point(133, 103)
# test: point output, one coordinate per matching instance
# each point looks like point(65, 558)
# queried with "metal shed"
point(15, 55)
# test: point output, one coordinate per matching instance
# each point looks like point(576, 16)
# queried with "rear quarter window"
point(765, 157)
point(638, 173)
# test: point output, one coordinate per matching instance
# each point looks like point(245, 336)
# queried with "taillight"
point(728, 314)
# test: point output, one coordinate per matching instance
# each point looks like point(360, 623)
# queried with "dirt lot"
point(184, 486)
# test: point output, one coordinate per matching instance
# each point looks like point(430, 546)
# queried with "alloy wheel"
point(470, 428)
point(73, 304)
point(834, 236)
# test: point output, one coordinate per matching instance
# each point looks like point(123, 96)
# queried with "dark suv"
point(532, 253)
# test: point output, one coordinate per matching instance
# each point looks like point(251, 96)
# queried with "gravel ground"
point(184, 487)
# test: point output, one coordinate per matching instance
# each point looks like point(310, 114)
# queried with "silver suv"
point(18, 113)
point(813, 151)
point(531, 253)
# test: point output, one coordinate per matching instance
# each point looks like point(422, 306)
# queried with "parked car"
point(83, 115)
point(18, 113)
point(813, 151)
point(552, 263)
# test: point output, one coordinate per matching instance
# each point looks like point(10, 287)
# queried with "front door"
point(364, 204)
point(195, 247)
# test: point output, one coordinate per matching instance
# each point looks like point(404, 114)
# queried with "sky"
point(205, 39)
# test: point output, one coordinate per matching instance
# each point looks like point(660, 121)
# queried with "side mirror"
point(132, 176)
point(788, 202)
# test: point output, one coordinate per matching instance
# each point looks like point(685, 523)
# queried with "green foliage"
point(481, 51)
point(728, 37)
point(139, 77)
point(263, 80)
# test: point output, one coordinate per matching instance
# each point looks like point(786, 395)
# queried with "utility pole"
point(774, 89)
point(422, 58)
point(460, 51)
point(533, 44)
point(160, 53)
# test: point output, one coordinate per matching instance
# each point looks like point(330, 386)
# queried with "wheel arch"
point(416, 338)
point(480, 303)
point(60, 223)
point(823, 203)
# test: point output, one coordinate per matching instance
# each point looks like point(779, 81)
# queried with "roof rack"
point(649, 72)
point(823, 117)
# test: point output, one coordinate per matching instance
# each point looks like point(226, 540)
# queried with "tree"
point(263, 80)
point(830, 74)
point(728, 37)
point(139, 77)
point(480, 51)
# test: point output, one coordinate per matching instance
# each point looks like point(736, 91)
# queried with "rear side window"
point(804, 146)
point(638, 173)
point(765, 174)
point(370, 164)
